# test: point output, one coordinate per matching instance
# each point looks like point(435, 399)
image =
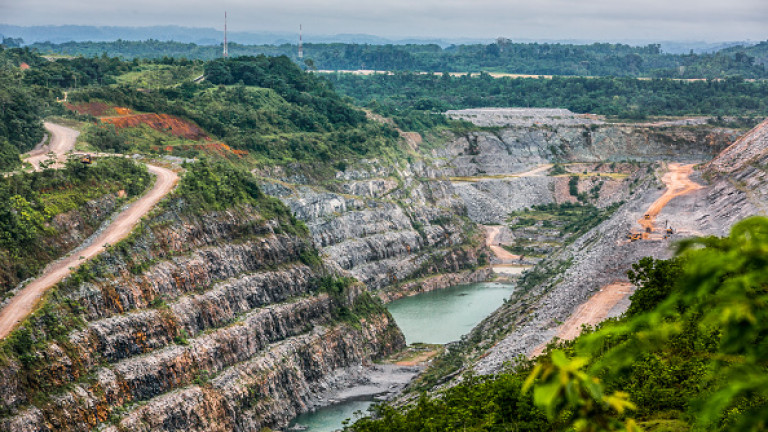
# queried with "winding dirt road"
point(596, 309)
point(491, 232)
point(678, 183)
point(61, 142)
point(24, 302)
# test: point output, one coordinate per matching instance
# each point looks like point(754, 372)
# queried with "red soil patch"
point(161, 122)
point(123, 111)
point(24, 66)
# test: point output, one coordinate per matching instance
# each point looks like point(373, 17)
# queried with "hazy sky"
point(709, 20)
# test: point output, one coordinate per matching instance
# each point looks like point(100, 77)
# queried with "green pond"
point(328, 419)
point(442, 316)
point(435, 317)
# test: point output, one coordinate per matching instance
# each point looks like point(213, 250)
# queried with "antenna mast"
point(301, 44)
point(226, 53)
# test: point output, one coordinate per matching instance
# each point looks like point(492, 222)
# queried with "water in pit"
point(435, 317)
point(443, 316)
point(328, 419)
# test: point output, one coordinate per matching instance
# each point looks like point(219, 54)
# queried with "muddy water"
point(443, 316)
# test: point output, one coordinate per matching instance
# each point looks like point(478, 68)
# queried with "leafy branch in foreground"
point(721, 294)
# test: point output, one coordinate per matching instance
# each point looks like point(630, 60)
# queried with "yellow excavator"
point(86, 159)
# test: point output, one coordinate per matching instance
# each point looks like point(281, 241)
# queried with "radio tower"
point(301, 45)
point(226, 53)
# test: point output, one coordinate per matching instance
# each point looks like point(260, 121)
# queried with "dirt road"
point(491, 232)
point(591, 312)
point(61, 142)
point(536, 172)
point(678, 183)
point(596, 309)
point(24, 302)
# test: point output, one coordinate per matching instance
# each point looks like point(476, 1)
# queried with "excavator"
point(86, 159)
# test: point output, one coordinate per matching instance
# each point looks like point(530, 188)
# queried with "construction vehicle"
point(86, 159)
point(647, 217)
point(635, 236)
point(670, 231)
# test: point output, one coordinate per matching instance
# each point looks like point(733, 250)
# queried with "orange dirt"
point(678, 184)
point(591, 312)
point(161, 122)
point(123, 111)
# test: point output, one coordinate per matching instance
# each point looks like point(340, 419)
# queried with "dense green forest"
point(266, 106)
point(689, 354)
point(599, 59)
point(620, 97)
point(20, 118)
point(28, 237)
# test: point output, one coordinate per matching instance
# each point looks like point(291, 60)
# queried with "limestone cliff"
point(388, 226)
point(200, 321)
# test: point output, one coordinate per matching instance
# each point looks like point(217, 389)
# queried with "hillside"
point(598, 59)
point(257, 289)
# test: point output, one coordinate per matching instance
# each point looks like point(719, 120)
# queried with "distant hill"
point(200, 36)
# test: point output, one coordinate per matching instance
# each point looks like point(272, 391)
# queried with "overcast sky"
point(708, 20)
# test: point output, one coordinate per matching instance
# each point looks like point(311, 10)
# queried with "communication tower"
point(226, 52)
point(301, 44)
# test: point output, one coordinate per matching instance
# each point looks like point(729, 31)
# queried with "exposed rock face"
point(209, 322)
point(738, 190)
point(515, 149)
point(385, 225)
point(740, 180)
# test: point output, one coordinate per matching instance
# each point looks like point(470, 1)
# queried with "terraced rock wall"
point(200, 322)
point(389, 227)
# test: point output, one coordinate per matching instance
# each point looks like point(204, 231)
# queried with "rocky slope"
point(212, 321)
point(481, 162)
point(739, 177)
point(389, 227)
point(602, 256)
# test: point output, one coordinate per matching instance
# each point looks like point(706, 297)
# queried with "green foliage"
point(557, 170)
point(626, 98)
point(105, 138)
point(570, 395)
point(573, 185)
point(282, 115)
point(27, 238)
point(598, 59)
point(476, 404)
point(20, 116)
point(9, 156)
point(655, 279)
point(216, 186)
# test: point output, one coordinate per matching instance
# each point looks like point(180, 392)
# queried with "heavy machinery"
point(86, 159)
point(635, 236)
point(647, 217)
